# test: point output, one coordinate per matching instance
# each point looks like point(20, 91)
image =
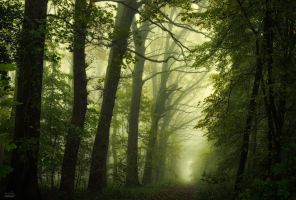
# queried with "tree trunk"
point(23, 179)
point(249, 122)
point(158, 110)
point(132, 177)
point(79, 109)
point(98, 169)
point(162, 150)
point(162, 146)
point(268, 39)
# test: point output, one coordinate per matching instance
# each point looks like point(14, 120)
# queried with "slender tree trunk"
point(158, 111)
point(249, 122)
point(132, 177)
point(79, 109)
point(23, 179)
point(271, 129)
point(268, 39)
point(52, 173)
point(162, 146)
point(98, 169)
point(162, 150)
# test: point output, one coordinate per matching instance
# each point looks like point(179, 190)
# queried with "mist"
point(147, 99)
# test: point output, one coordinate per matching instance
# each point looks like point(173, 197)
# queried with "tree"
point(73, 139)
point(98, 168)
point(157, 113)
point(158, 109)
point(132, 176)
point(249, 122)
point(261, 94)
point(23, 179)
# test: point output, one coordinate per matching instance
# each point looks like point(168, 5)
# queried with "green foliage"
point(6, 105)
point(99, 20)
point(7, 67)
point(6, 146)
point(56, 107)
point(234, 27)
point(10, 20)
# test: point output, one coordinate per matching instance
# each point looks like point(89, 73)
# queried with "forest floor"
point(181, 192)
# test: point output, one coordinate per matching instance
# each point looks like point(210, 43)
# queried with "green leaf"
point(7, 67)
point(4, 170)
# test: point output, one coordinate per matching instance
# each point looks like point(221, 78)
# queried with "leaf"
point(6, 142)
point(7, 67)
point(4, 170)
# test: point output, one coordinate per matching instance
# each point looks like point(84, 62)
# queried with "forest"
point(148, 99)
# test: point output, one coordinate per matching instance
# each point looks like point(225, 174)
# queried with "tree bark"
point(132, 177)
point(268, 39)
point(98, 169)
point(79, 109)
point(249, 122)
point(23, 179)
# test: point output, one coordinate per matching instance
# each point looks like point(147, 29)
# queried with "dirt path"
point(187, 192)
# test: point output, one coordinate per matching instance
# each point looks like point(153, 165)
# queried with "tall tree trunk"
point(79, 109)
point(23, 179)
point(98, 169)
point(268, 39)
point(249, 122)
point(132, 177)
point(162, 150)
point(158, 111)
point(162, 146)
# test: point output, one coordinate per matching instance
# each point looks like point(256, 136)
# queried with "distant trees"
point(156, 115)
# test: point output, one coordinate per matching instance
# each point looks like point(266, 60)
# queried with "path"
point(187, 192)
